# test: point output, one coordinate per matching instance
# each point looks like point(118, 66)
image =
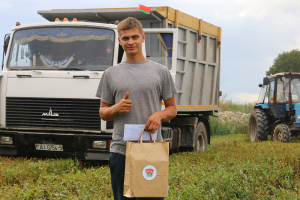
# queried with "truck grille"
point(74, 114)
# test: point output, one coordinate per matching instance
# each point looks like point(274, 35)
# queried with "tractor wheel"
point(200, 138)
point(259, 128)
point(282, 133)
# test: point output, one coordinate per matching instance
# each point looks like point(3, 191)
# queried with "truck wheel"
point(282, 133)
point(200, 138)
point(259, 128)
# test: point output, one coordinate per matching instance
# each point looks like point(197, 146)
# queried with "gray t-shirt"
point(148, 83)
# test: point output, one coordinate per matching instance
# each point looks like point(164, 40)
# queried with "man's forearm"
point(108, 113)
point(168, 113)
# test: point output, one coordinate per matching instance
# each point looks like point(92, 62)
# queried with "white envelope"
point(132, 132)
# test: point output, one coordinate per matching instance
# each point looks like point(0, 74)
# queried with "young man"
point(131, 93)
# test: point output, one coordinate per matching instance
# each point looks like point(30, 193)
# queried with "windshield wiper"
point(70, 69)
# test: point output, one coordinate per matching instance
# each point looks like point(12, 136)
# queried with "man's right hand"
point(124, 104)
point(108, 112)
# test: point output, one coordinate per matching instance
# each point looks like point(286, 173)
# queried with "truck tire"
point(282, 133)
point(200, 137)
point(259, 127)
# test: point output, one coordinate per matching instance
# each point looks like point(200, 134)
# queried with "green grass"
point(232, 168)
point(235, 168)
point(218, 128)
point(236, 120)
point(22, 178)
point(235, 107)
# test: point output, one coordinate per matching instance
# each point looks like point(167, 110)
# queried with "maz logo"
point(50, 114)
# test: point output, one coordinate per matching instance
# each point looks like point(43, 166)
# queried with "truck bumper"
point(78, 146)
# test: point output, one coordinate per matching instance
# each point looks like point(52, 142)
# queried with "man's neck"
point(135, 58)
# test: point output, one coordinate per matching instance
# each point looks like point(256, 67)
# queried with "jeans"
point(117, 170)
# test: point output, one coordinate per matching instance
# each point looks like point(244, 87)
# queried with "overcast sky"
point(253, 32)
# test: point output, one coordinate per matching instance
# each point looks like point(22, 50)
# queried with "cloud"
point(293, 45)
point(237, 11)
point(256, 14)
point(5, 6)
point(244, 97)
point(267, 62)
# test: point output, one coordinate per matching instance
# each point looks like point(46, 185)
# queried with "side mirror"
point(295, 98)
point(266, 81)
point(260, 85)
point(5, 46)
point(6, 43)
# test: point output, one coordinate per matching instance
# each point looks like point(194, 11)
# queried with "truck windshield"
point(262, 94)
point(56, 48)
point(283, 89)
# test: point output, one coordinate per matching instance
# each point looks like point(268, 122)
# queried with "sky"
point(253, 32)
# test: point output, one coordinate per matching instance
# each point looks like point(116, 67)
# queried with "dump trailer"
point(51, 72)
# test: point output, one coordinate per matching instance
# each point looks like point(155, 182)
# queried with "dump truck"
point(51, 72)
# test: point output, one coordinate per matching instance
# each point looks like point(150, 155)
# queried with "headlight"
point(99, 145)
point(6, 140)
point(298, 117)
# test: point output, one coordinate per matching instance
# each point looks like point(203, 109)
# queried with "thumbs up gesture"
point(124, 104)
point(126, 96)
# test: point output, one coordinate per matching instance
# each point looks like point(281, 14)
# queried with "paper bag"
point(146, 169)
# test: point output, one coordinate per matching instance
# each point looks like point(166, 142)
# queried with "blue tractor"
point(277, 112)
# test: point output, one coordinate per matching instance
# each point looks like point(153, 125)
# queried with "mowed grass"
point(22, 178)
point(235, 168)
point(232, 168)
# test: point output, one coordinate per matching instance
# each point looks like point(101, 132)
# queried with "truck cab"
point(48, 85)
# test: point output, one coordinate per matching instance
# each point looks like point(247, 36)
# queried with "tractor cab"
point(277, 112)
point(275, 92)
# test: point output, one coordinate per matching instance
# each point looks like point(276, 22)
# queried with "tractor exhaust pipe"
point(290, 92)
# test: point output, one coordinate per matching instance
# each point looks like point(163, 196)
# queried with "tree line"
point(288, 61)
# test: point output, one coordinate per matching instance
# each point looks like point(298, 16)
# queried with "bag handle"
point(142, 135)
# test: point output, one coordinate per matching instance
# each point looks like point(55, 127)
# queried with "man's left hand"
point(165, 115)
point(153, 122)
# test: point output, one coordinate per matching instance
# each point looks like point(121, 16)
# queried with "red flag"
point(144, 9)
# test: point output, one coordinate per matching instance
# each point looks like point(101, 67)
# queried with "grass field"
point(231, 168)
point(232, 119)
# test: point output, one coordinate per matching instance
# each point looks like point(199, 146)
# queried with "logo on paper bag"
point(149, 172)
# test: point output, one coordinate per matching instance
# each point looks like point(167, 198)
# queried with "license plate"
point(49, 147)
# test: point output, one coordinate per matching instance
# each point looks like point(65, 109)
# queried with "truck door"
point(272, 101)
point(161, 47)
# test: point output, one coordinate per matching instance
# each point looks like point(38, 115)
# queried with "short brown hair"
point(129, 23)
